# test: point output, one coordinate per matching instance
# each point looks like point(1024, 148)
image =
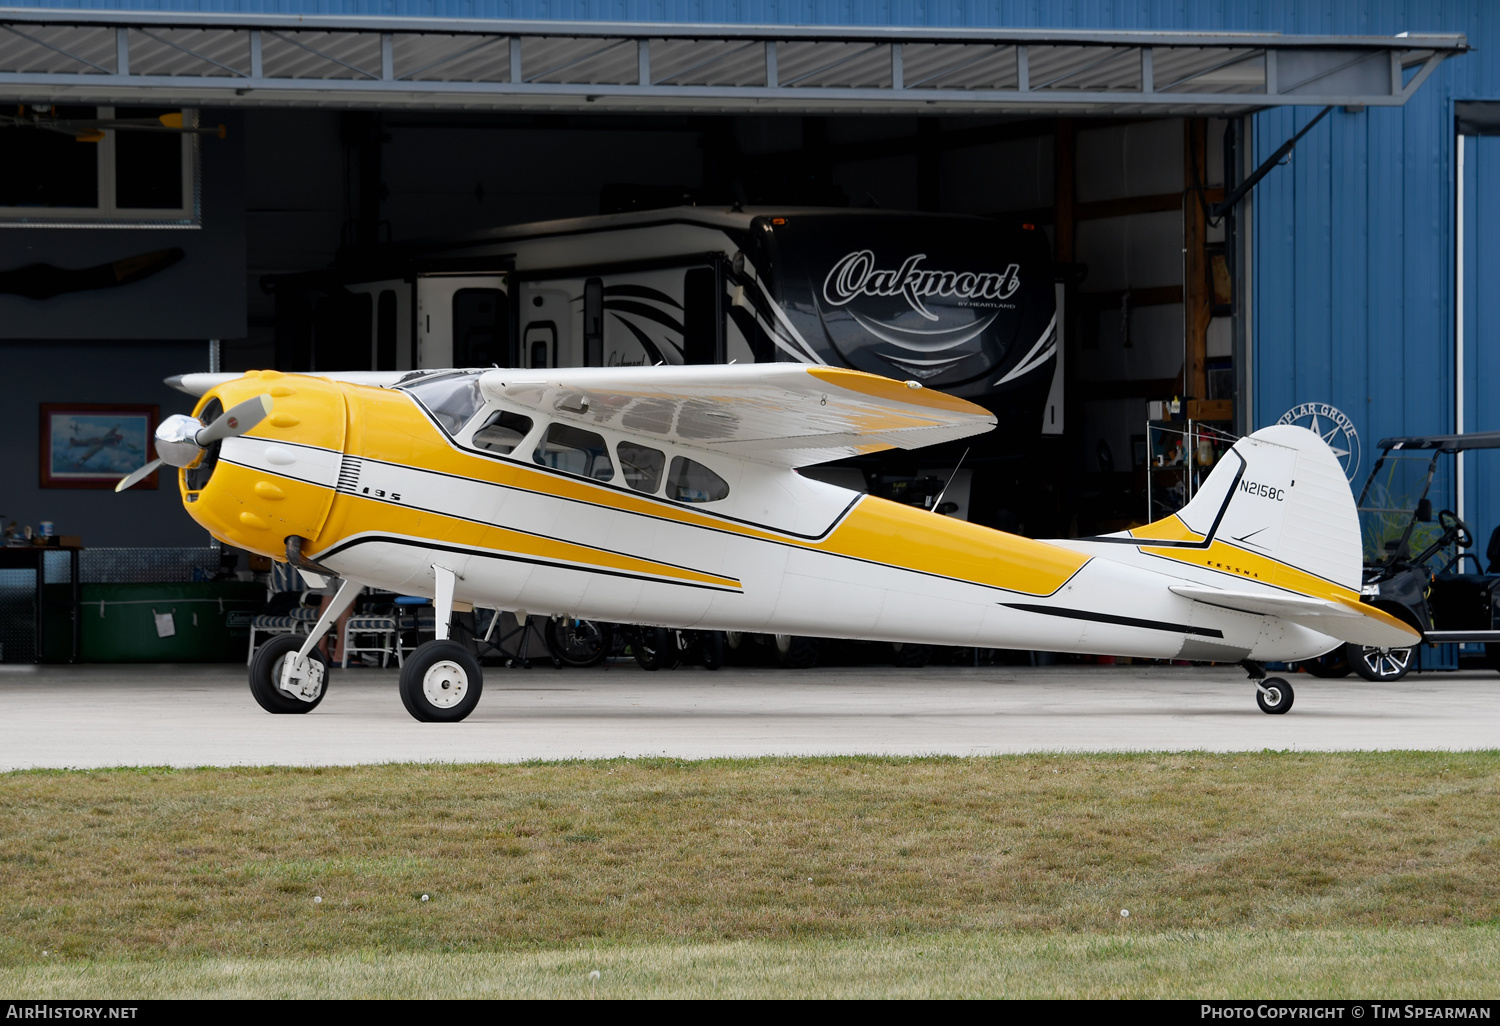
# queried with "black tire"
point(265, 674)
point(577, 642)
point(655, 648)
point(911, 656)
point(1330, 665)
point(1492, 655)
point(1280, 699)
point(711, 649)
point(441, 682)
point(794, 652)
point(1381, 665)
point(734, 639)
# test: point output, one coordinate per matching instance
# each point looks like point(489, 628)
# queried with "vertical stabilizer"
point(1280, 493)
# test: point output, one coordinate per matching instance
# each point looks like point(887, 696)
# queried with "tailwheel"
point(441, 682)
point(265, 677)
point(1274, 695)
point(1382, 665)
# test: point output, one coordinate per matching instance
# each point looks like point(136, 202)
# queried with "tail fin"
point(1281, 493)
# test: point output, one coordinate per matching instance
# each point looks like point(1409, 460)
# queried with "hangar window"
point(81, 164)
point(575, 451)
point(691, 481)
point(642, 466)
point(503, 432)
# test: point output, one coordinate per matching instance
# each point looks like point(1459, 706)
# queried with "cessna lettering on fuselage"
point(856, 275)
point(671, 496)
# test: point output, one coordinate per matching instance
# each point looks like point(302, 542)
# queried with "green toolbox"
point(205, 622)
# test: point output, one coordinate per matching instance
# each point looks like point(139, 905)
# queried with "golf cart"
point(1415, 565)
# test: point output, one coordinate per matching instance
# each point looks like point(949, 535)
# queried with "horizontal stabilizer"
point(1364, 625)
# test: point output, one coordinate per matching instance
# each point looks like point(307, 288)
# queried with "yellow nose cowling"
point(258, 509)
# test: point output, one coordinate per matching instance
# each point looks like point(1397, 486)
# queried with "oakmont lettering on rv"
point(856, 275)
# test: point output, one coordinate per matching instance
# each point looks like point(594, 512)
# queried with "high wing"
point(784, 413)
point(199, 383)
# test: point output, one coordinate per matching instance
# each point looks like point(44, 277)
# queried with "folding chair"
point(381, 625)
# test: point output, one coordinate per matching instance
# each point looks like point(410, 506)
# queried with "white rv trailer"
point(962, 304)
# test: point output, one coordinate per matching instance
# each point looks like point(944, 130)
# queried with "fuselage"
point(381, 492)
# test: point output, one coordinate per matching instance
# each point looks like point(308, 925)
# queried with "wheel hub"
point(302, 679)
point(445, 683)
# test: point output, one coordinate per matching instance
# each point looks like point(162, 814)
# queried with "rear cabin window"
point(575, 451)
point(502, 432)
point(691, 481)
point(451, 398)
point(641, 465)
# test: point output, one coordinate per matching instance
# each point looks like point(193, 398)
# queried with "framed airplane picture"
point(93, 445)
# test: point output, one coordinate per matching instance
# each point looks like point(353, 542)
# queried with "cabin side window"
point(575, 451)
point(641, 465)
point(691, 481)
point(451, 398)
point(502, 432)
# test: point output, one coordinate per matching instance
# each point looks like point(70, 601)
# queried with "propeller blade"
point(236, 420)
point(137, 476)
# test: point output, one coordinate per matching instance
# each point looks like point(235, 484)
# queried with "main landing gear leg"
point(286, 677)
point(1272, 694)
point(441, 681)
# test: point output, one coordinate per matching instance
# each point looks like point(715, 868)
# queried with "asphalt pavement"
point(95, 716)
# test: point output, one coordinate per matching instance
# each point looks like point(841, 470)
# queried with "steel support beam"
point(244, 59)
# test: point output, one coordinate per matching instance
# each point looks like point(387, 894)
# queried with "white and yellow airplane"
point(670, 496)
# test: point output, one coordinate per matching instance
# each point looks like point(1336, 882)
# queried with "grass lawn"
point(1274, 874)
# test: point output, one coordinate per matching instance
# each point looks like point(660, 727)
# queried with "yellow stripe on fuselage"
point(363, 516)
point(387, 425)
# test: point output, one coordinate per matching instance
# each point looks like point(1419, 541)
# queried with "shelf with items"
point(1180, 456)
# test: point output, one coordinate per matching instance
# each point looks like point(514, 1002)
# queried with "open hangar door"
point(367, 133)
point(1115, 197)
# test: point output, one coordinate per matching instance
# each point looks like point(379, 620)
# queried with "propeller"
point(181, 439)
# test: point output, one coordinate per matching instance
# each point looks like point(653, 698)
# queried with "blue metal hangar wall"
point(1350, 279)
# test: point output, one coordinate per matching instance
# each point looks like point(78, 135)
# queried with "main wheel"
point(265, 676)
point(1277, 698)
point(1333, 664)
point(577, 642)
point(1382, 665)
point(441, 682)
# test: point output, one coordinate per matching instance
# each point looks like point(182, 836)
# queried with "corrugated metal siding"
point(1343, 16)
point(1355, 250)
point(1482, 332)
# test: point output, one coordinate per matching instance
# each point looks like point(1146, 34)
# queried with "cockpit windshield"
point(452, 398)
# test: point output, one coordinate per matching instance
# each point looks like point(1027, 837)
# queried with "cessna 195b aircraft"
point(670, 496)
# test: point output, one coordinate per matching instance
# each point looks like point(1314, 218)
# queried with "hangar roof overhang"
point(189, 59)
